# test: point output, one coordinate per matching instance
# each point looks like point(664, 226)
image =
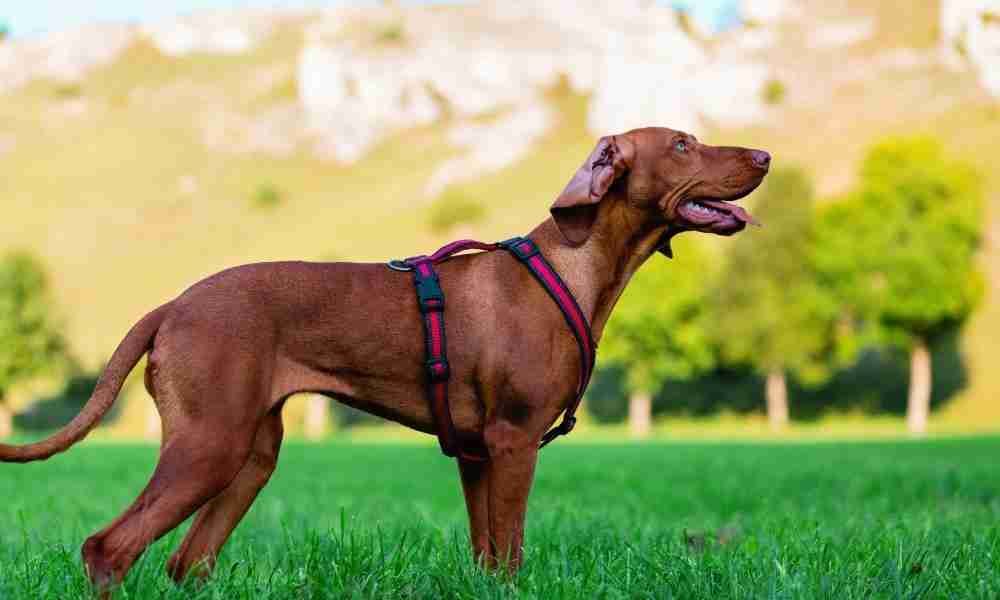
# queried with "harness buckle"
point(438, 370)
point(569, 422)
point(429, 294)
point(522, 247)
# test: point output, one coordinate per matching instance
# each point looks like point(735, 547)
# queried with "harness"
point(430, 300)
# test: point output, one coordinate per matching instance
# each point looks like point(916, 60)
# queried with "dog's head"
point(664, 177)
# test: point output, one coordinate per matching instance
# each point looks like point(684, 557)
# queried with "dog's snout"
point(760, 159)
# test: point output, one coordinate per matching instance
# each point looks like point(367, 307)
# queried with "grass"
point(874, 520)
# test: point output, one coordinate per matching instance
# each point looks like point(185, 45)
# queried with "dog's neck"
point(598, 270)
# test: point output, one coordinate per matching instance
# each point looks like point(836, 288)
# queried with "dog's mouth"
point(719, 216)
point(715, 216)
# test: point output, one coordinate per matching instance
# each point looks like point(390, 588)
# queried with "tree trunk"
point(6, 420)
point(776, 391)
point(640, 414)
point(918, 406)
point(317, 419)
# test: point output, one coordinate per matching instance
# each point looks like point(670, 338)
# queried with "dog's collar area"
point(431, 303)
point(664, 246)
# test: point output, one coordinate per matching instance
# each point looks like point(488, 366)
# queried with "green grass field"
point(871, 520)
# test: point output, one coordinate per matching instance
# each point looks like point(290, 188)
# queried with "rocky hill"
point(137, 159)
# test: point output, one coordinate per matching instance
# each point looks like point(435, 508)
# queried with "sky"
point(31, 17)
point(25, 18)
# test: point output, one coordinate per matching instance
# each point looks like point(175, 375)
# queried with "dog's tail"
point(132, 348)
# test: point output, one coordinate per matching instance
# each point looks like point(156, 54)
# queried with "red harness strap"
point(530, 256)
point(430, 300)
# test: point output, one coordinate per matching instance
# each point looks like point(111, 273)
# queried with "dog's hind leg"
point(195, 465)
point(208, 435)
point(192, 469)
point(217, 519)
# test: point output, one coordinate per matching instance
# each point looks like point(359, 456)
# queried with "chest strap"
point(431, 302)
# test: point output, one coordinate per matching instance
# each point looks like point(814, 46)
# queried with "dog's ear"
point(575, 209)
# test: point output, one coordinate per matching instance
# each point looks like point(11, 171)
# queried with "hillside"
point(159, 163)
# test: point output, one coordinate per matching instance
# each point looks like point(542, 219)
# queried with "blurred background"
point(143, 147)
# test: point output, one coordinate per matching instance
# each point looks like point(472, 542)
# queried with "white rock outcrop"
point(68, 56)
point(642, 83)
point(768, 12)
point(65, 56)
point(224, 32)
point(972, 29)
point(364, 74)
point(491, 146)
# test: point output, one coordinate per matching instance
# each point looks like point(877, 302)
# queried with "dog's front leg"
point(513, 454)
point(476, 486)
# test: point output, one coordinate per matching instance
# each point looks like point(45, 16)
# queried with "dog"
point(225, 355)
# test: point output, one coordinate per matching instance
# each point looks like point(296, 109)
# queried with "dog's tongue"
point(734, 209)
point(740, 213)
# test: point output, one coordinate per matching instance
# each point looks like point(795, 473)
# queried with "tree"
point(657, 331)
point(55, 410)
point(768, 311)
point(900, 253)
point(29, 341)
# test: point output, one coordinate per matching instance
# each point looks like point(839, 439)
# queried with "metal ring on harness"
point(399, 265)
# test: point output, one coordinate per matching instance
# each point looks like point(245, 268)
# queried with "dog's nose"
point(761, 159)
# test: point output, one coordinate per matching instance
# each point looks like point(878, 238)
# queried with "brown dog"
point(225, 355)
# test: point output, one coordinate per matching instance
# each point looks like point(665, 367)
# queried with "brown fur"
point(225, 355)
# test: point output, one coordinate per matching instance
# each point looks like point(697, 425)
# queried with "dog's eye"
point(681, 146)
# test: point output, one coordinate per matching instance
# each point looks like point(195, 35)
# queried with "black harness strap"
point(430, 299)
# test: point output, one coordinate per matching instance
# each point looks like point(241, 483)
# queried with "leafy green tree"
point(768, 311)
point(29, 341)
point(900, 253)
point(657, 332)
